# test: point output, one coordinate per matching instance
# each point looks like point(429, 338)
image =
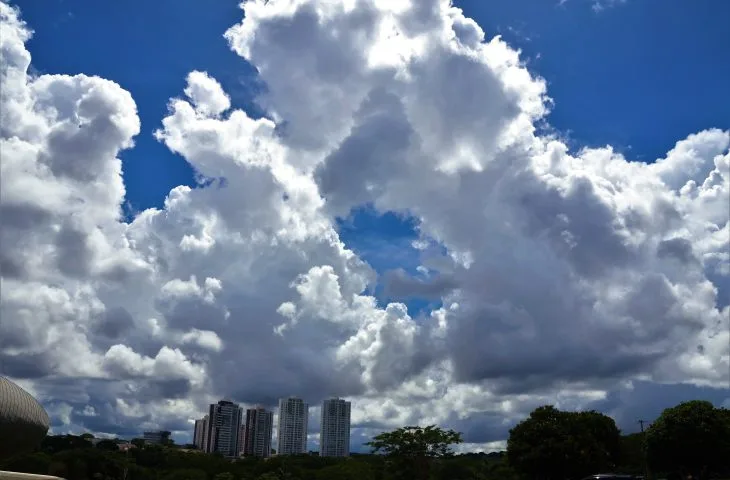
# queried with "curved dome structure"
point(23, 421)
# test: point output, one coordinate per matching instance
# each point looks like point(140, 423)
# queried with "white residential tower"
point(200, 434)
point(334, 432)
point(292, 426)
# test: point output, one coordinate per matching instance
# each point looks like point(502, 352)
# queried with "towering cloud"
point(558, 271)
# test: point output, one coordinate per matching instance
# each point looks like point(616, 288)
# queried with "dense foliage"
point(553, 445)
point(411, 450)
point(64, 456)
point(693, 437)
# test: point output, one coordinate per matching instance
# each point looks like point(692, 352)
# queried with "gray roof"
point(23, 421)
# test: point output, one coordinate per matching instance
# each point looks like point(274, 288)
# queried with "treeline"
point(153, 462)
point(692, 438)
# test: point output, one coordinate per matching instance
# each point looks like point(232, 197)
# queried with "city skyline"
point(255, 434)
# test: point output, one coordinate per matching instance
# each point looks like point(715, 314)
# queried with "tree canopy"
point(430, 441)
point(552, 444)
point(110, 445)
point(691, 438)
point(414, 447)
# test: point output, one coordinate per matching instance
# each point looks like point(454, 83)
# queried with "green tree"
point(412, 449)
point(454, 469)
point(347, 470)
point(551, 444)
point(138, 442)
point(58, 469)
point(108, 445)
point(88, 462)
point(500, 469)
point(186, 474)
point(78, 469)
point(691, 438)
point(597, 442)
point(430, 441)
point(36, 462)
point(535, 447)
point(58, 443)
point(632, 456)
point(268, 476)
point(135, 472)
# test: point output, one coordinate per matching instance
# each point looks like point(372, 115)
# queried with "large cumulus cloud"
point(563, 274)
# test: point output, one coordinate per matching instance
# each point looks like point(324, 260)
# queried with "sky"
point(447, 213)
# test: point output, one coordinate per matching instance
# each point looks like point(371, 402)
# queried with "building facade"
point(257, 432)
point(224, 425)
point(157, 437)
point(292, 426)
point(334, 431)
point(241, 433)
point(200, 434)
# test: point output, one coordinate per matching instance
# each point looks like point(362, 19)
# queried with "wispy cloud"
point(597, 6)
point(601, 5)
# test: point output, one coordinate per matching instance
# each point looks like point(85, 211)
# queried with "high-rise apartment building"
point(257, 432)
point(200, 434)
point(157, 437)
point(334, 431)
point(292, 426)
point(224, 425)
point(241, 433)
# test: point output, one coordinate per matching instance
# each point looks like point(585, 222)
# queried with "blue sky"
point(629, 75)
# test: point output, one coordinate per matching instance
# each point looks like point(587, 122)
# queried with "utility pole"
point(641, 423)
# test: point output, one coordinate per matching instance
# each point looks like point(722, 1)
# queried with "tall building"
point(241, 433)
point(292, 427)
point(157, 437)
point(200, 434)
point(334, 431)
point(257, 432)
point(224, 425)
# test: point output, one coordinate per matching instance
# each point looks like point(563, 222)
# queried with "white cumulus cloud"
point(564, 275)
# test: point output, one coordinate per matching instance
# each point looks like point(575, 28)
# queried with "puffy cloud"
point(561, 275)
point(206, 94)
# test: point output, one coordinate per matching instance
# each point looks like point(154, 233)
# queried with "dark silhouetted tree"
point(137, 442)
point(691, 438)
point(109, 445)
point(551, 444)
point(58, 443)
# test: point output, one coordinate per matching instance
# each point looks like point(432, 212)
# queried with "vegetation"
point(693, 437)
point(411, 451)
point(551, 444)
